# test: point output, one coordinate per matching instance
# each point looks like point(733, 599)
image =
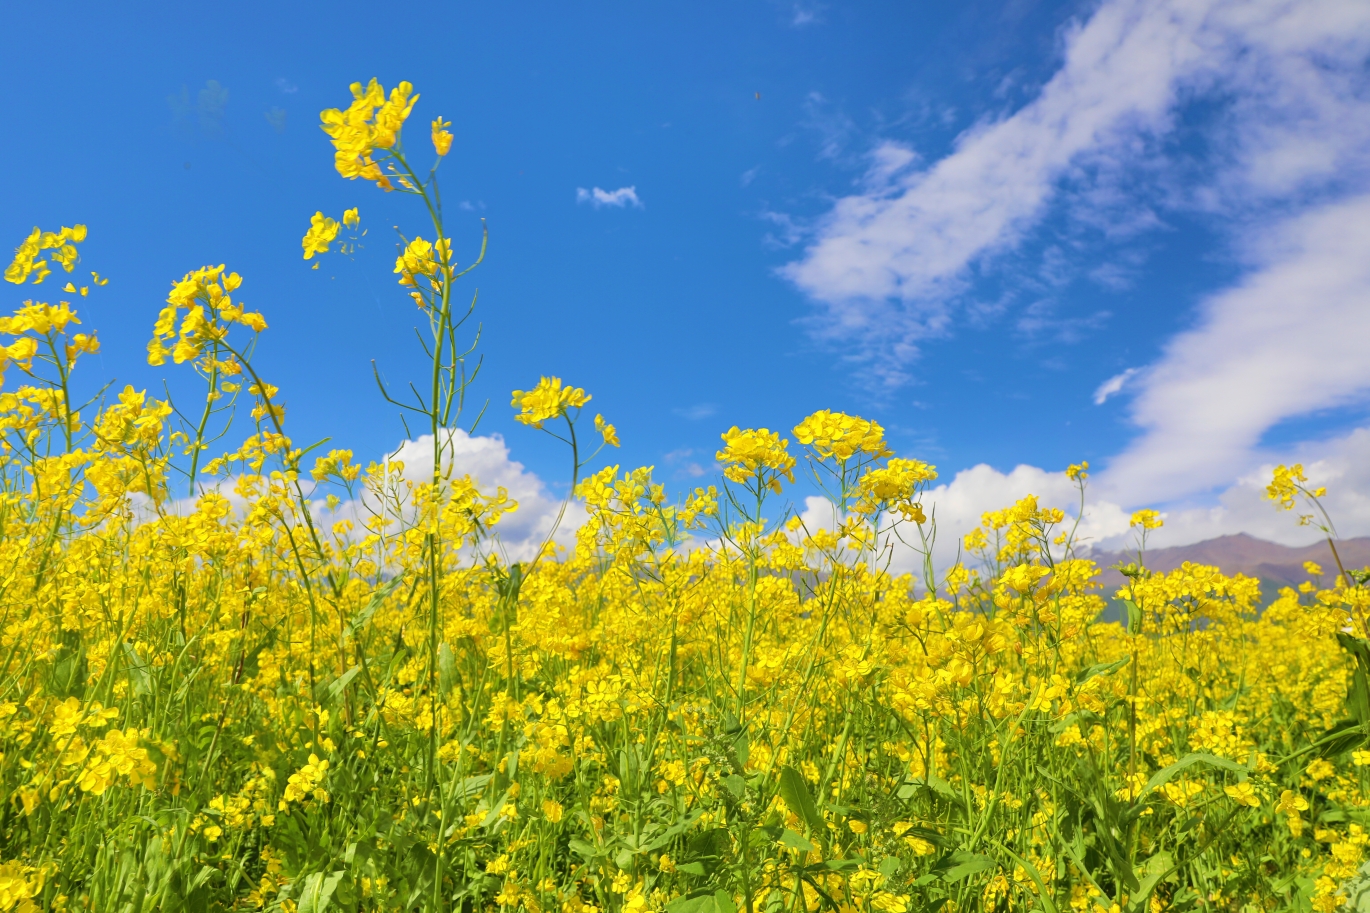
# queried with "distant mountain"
point(1280, 565)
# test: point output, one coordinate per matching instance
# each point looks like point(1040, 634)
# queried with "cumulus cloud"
point(598, 197)
point(486, 460)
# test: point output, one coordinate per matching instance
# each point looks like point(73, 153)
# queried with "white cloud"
point(1288, 339)
point(486, 460)
point(1113, 385)
point(887, 263)
point(623, 196)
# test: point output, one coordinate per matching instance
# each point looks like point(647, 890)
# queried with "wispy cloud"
point(697, 412)
point(1113, 385)
point(887, 265)
point(620, 198)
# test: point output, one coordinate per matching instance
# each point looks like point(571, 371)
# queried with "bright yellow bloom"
point(1243, 793)
point(1147, 519)
point(322, 232)
point(1078, 471)
point(548, 400)
point(442, 139)
point(1287, 483)
point(750, 453)
point(306, 783)
point(839, 435)
point(371, 122)
point(606, 430)
point(350, 217)
point(552, 810)
point(27, 262)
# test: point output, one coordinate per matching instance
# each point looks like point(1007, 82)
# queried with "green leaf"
point(1134, 616)
point(447, 669)
point(1043, 894)
point(363, 616)
point(318, 890)
point(1102, 668)
point(736, 785)
point(1358, 695)
point(937, 786)
point(692, 868)
point(1156, 868)
point(1163, 776)
point(795, 792)
point(138, 675)
point(698, 904)
point(796, 842)
point(339, 685)
point(588, 850)
point(965, 864)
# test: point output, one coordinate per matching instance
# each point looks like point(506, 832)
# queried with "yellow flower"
point(305, 783)
point(350, 217)
point(1243, 793)
point(839, 435)
point(1147, 519)
point(606, 430)
point(371, 122)
point(1320, 769)
point(322, 232)
point(552, 810)
point(548, 400)
point(1078, 471)
point(747, 454)
point(442, 139)
point(26, 260)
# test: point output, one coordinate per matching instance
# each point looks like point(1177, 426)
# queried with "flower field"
point(266, 678)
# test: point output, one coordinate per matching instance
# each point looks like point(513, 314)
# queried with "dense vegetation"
point(268, 679)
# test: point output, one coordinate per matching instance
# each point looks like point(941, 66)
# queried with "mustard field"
point(241, 676)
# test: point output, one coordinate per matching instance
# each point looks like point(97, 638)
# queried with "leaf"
point(1341, 738)
point(588, 850)
point(965, 864)
point(1163, 776)
point(363, 616)
point(692, 868)
point(1358, 695)
point(736, 785)
point(339, 685)
point(138, 675)
point(1134, 616)
point(723, 902)
point(1101, 669)
point(795, 792)
point(1042, 893)
point(937, 786)
point(700, 903)
point(796, 841)
point(447, 669)
point(318, 890)
point(1156, 868)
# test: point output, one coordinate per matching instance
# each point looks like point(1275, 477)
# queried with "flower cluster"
point(29, 263)
point(549, 400)
point(756, 453)
point(371, 122)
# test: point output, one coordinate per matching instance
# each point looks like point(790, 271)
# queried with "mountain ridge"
point(1241, 553)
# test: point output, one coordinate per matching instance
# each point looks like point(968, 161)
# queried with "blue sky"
point(963, 220)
